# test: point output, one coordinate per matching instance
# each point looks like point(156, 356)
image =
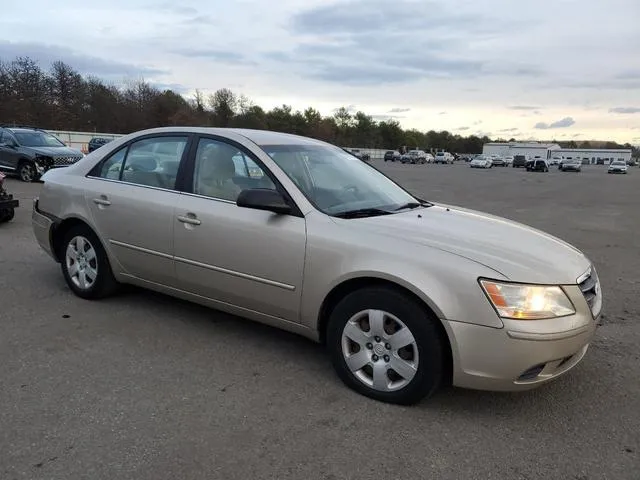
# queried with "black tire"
point(421, 323)
point(7, 214)
point(27, 171)
point(104, 284)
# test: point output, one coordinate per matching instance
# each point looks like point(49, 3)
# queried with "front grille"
point(63, 161)
point(590, 288)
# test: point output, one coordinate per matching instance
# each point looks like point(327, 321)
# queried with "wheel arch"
point(344, 288)
point(59, 231)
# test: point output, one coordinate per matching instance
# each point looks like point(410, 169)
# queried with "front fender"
point(445, 282)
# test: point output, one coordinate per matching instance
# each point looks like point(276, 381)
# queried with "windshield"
point(37, 139)
point(336, 182)
point(572, 161)
point(620, 164)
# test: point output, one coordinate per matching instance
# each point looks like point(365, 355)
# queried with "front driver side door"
point(247, 258)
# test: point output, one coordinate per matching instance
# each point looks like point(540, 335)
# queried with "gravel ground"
point(142, 386)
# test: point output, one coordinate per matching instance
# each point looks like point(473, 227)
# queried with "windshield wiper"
point(362, 212)
point(412, 205)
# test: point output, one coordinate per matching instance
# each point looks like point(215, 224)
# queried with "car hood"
point(56, 151)
point(516, 251)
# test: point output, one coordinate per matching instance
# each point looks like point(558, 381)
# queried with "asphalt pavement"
point(143, 386)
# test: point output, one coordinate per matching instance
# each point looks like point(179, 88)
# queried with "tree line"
point(62, 99)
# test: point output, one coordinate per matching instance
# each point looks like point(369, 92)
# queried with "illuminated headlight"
point(527, 302)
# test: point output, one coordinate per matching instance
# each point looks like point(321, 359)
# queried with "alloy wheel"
point(380, 350)
point(27, 172)
point(82, 262)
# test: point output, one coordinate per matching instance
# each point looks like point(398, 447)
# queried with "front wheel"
point(85, 264)
point(27, 171)
point(386, 346)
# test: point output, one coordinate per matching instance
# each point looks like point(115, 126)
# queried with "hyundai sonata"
point(406, 294)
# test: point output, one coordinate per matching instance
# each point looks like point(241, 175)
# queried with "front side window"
point(222, 171)
point(37, 139)
point(336, 182)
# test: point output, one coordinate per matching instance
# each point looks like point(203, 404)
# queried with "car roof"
point(260, 137)
point(23, 129)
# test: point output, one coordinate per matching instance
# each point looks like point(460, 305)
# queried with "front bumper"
point(523, 354)
point(42, 228)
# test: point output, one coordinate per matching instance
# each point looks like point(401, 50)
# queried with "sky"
point(550, 69)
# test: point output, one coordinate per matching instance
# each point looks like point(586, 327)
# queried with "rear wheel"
point(386, 346)
point(85, 264)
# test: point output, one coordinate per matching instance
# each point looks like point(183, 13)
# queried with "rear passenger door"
point(131, 195)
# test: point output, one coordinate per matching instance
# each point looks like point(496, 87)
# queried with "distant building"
point(596, 156)
point(593, 156)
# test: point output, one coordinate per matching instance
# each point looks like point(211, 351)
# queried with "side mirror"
point(263, 199)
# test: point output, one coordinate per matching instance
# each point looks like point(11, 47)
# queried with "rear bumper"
point(42, 226)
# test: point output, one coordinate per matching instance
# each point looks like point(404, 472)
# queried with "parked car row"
point(365, 157)
point(418, 157)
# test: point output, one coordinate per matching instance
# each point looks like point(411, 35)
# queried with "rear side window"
point(112, 167)
point(151, 162)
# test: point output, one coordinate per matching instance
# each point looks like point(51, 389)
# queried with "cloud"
point(45, 55)
point(369, 42)
point(173, 8)
point(625, 110)
point(213, 54)
point(442, 113)
point(350, 108)
point(564, 123)
point(175, 87)
point(198, 20)
point(380, 15)
point(384, 118)
point(399, 110)
point(477, 122)
point(471, 59)
point(628, 75)
point(576, 135)
point(463, 128)
point(508, 130)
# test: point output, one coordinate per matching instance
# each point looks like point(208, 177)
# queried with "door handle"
point(102, 200)
point(189, 218)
